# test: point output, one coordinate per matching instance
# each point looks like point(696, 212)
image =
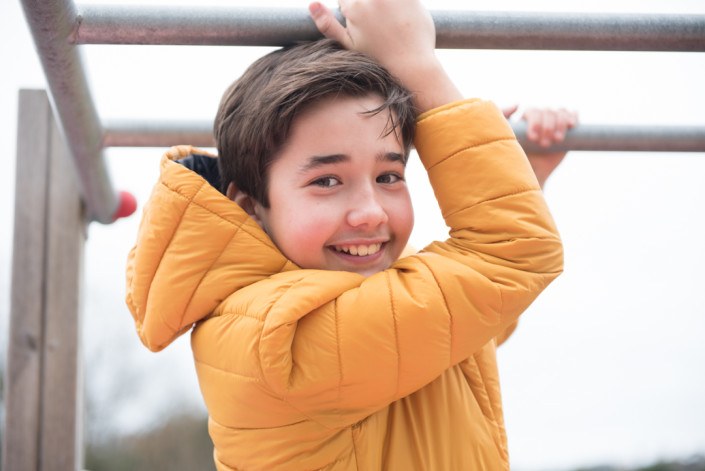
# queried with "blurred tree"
point(181, 443)
point(694, 463)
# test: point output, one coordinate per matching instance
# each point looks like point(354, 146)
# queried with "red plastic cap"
point(126, 206)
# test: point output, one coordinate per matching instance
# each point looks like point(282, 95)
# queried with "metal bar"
point(53, 24)
point(122, 133)
point(623, 138)
point(589, 137)
point(570, 31)
point(259, 26)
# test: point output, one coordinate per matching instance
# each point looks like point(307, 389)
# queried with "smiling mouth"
point(358, 250)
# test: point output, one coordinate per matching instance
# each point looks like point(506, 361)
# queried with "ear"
point(245, 201)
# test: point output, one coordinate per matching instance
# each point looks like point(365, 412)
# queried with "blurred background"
point(607, 368)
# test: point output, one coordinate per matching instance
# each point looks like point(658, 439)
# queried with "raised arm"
point(545, 126)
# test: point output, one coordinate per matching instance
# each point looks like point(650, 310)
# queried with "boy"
point(317, 347)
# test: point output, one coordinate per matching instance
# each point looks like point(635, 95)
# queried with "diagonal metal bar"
point(590, 137)
point(260, 26)
point(53, 25)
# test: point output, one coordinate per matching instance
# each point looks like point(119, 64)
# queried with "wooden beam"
point(42, 407)
point(61, 419)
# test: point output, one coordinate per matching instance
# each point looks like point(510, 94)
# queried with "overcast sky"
point(607, 366)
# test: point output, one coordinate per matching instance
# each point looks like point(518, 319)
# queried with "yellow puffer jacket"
point(309, 369)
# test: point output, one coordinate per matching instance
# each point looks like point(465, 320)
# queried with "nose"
point(366, 209)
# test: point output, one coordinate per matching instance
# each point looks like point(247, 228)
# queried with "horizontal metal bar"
point(259, 26)
point(131, 133)
point(570, 31)
point(53, 23)
point(622, 138)
point(589, 137)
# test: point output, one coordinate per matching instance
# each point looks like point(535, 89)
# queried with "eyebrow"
point(321, 160)
point(392, 157)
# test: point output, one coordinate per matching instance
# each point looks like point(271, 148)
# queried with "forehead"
point(344, 120)
point(340, 103)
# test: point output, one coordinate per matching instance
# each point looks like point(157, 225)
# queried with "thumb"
point(509, 111)
point(328, 24)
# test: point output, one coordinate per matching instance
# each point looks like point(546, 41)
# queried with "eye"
point(326, 182)
point(389, 178)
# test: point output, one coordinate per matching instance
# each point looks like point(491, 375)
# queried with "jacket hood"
point(194, 248)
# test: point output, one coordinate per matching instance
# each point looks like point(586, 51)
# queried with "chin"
point(371, 271)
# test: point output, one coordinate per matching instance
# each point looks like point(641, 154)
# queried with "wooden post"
point(43, 380)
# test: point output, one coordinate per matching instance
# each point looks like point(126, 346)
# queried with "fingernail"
point(315, 9)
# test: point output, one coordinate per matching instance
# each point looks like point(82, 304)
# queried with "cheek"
point(300, 228)
point(403, 217)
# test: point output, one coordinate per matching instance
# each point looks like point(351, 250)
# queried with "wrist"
point(429, 82)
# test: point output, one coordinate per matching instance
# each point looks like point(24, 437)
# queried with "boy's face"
point(338, 198)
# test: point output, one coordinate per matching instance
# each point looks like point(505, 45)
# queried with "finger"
point(509, 111)
point(573, 119)
point(533, 124)
point(548, 127)
point(563, 123)
point(328, 24)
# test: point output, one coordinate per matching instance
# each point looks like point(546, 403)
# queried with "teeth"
point(359, 250)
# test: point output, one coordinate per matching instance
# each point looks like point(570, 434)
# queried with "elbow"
point(537, 255)
point(548, 261)
point(556, 256)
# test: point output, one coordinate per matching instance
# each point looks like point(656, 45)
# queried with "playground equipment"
point(43, 406)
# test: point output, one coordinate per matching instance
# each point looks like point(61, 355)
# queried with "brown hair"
point(257, 110)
